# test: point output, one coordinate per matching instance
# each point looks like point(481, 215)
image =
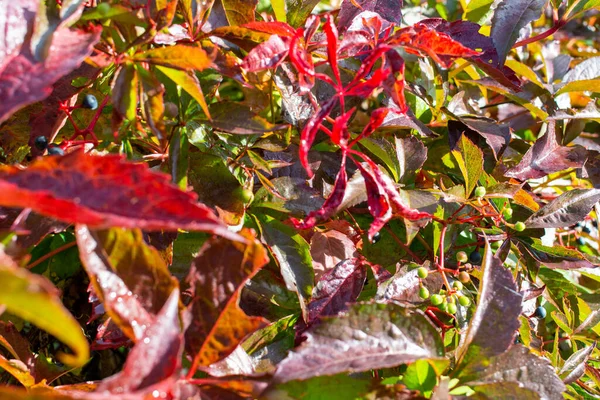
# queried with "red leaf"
point(394, 84)
point(337, 288)
point(105, 191)
point(310, 132)
point(273, 27)
point(332, 44)
point(377, 201)
point(25, 79)
point(266, 55)
point(364, 89)
point(216, 278)
point(424, 39)
point(156, 357)
point(119, 301)
point(339, 133)
point(377, 118)
point(390, 10)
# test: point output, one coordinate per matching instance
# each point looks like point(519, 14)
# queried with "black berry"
point(475, 257)
point(585, 229)
point(41, 143)
point(376, 238)
point(90, 101)
point(540, 313)
point(55, 151)
point(595, 223)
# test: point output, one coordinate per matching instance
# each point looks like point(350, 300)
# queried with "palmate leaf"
point(105, 191)
point(369, 336)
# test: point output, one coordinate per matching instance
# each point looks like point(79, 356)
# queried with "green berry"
point(452, 308)
point(519, 226)
point(464, 277)
point(443, 306)
point(475, 257)
point(423, 293)
point(103, 9)
point(243, 195)
point(461, 256)
point(540, 313)
point(457, 285)
point(422, 272)
point(507, 213)
point(436, 299)
point(480, 191)
point(464, 301)
point(451, 299)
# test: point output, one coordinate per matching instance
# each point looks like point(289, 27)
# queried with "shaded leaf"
point(297, 11)
point(405, 285)
point(239, 12)
point(125, 91)
point(236, 118)
point(411, 154)
point(104, 191)
point(216, 278)
point(369, 336)
point(33, 298)
point(390, 10)
point(509, 18)
point(496, 315)
point(497, 136)
point(557, 256)
point(547, 156)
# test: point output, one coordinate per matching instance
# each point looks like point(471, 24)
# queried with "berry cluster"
point(446, 300)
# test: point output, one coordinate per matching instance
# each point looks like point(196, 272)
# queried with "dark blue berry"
point(585, 229)
point(376, 238)
point(41, 143)
point(90, 101)
point(475, 257)
point(540, 313)
point(55, 151)
point(595, 223)
point(580, 241)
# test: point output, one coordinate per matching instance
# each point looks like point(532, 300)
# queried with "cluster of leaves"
point(296, 199)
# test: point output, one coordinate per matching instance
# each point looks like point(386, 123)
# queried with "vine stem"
point(558, 23)
point(51, 254)
point(440, 263)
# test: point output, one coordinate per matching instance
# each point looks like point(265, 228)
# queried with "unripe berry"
point(519, 226)
point(507, 213)
point(464, 301)
point(103, 9)
point(457, 285)
point(436, 299)
point(452, 308)
point(422, 272)
point(480, 191)
point(461, 256)
point(464, 277)
point(423, 293)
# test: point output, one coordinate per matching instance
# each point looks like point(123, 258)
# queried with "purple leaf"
point(328, 249)
point(369, 336)
point(390, 10)
point(547, 156)
point(496, 316)
point(24, 79)
point(337, 288)
point(568, 208)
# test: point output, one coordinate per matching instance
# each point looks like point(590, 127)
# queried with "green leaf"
point(188, 82)
point(292, 253)
point(470, 161)
point(179, 56)
point(125, 91)
point(239, 12)
point(420, 376)
point(587, 85)
point(33, 298)
point(236, 118)
point(299, 10)
point(578, 7)
point(337, 387)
